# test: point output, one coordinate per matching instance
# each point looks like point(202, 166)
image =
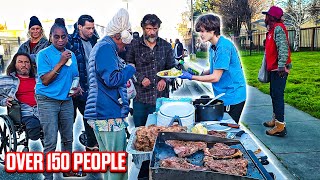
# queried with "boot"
point(270, 123)
point(278, 130)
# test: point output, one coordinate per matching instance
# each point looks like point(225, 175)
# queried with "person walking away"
point(37, 39)
point(178, 50)
point(225, 73)
point(107, 104)
point(277, 52)
point(57, 68)
point(18, 85)
point(80, 43)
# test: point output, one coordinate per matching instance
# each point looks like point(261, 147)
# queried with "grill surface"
point(162, 151)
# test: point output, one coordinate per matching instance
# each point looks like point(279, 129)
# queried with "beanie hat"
point(34, 21)
point(275, 12)
point(120, 24)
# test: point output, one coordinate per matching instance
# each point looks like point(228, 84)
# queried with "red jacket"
point(271, 48)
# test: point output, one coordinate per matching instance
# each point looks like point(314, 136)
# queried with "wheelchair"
point(13, 134)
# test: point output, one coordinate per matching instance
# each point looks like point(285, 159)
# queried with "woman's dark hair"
point(83, 18)
point(150, 19)
point(272, 20)
point(209, 22)
point(12, 66)
point(58, 23)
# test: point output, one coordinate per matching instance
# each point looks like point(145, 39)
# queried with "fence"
point(309, 41)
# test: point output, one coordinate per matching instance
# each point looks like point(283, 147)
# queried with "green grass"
point(201, 55)
point(303, 84)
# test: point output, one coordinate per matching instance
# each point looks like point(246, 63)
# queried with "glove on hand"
point(186, 75)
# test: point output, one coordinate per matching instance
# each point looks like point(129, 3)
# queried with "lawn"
point(303, 84)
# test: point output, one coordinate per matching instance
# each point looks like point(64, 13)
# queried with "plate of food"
point(172, 73)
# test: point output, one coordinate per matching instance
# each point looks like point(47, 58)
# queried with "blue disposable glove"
point(186, 75)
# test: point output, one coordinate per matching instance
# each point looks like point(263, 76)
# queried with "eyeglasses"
point(57, 37)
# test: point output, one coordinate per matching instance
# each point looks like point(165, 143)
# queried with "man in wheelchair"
point(17, 91)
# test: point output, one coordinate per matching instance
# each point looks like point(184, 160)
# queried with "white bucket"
point(185, 111)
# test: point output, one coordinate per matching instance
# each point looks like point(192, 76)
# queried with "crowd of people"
point(53, 77)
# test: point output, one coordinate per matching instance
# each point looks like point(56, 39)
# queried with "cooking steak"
point(146, 136)
point(180, 163)
point(220, 134)
point(222, 151)
point(186, 148)
point(237, 166)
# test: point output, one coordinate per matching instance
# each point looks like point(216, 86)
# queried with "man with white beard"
point(150, 54)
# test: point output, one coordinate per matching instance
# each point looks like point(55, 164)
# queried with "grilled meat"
point(180, 163)
point(220, 134)
point(186, 148)
point(236, 166)
point(146, 136)
point(222, 151)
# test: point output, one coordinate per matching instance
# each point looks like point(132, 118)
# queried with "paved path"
point(298, 151)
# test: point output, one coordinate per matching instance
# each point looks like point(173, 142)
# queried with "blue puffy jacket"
point(107, 97)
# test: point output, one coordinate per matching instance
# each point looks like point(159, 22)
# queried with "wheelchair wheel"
point(8, 136)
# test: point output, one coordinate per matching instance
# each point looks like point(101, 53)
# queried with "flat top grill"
point(162, 151)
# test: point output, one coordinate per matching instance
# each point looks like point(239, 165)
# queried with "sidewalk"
point(298, 151)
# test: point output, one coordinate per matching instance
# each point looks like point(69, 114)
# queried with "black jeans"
point(277, 86)
point(235, 111)
point(91, 138)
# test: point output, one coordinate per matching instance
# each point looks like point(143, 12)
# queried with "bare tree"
point(297, 13)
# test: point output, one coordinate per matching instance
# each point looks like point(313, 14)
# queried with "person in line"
point(57, 67)
point(18, 84)
point(37, 39)
point(225, 73)
point(150, 54)
point(178, 50)
point(277, 53)
point(107, 104)
point(80, 43)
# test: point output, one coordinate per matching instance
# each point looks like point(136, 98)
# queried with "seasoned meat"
point(237, 166)
point(222, 151)
point(146, 136)
point(186, 148)
point(180, 163)
point(220, 134)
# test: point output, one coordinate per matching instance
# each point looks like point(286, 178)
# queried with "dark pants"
point(235, 111)
point(141, 112)
point(91, 139)
point(277, 86)
point(33, 128)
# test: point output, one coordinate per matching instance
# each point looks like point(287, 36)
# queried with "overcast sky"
point(15, 12)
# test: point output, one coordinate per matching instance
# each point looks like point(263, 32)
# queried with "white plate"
point(214, 125)
point(168, 77)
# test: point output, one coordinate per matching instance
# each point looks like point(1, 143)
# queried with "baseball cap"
point(275, 12)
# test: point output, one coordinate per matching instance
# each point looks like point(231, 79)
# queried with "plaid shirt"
point(148, 62)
